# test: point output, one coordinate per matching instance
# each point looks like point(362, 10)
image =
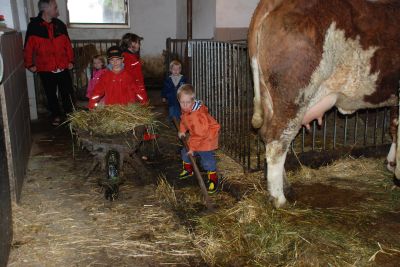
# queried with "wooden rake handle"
point(196, 171)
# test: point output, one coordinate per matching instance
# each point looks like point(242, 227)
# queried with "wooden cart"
point(110, 152)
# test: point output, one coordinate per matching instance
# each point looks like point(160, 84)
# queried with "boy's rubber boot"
point(187, 170)
point(212, 182)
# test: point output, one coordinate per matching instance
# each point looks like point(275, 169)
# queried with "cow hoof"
point(257, 120)
point(396, 181)
point(278, 202)
point(391, 166)
point(289, 193)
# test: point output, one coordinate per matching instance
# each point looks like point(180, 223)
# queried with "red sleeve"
point(28, 52)
point(139, 75)
point(98, 93)
point(141, 95)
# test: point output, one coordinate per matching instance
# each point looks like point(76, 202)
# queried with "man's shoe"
point(56, 121)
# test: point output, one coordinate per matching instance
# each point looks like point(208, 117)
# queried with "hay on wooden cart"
point(113, 119)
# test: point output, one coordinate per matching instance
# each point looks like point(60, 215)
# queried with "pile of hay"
point(113, 119)
point(252, 233)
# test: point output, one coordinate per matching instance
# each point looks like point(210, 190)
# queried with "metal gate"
point(221, 75)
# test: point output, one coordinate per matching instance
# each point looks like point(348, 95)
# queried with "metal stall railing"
point(222, 78)
point(84, 50)
point(179, 49)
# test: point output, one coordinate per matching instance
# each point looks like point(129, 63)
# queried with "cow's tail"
point(260, 14)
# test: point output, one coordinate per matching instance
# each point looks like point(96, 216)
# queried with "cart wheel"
point(112, 176)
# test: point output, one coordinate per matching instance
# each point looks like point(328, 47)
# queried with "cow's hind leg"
point(276, 155)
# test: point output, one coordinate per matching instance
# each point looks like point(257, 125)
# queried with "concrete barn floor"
point(64, 220)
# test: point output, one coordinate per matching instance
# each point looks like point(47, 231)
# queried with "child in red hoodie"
point(130, 46)
point(203, 135)
point(117, 85)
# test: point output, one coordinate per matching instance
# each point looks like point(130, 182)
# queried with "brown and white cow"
point(310, 55)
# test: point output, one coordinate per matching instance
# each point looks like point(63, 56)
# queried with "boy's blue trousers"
point(207, 159)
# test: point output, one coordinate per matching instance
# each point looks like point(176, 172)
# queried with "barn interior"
point(343, 209)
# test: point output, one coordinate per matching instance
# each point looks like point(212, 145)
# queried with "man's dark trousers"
point(63, 81)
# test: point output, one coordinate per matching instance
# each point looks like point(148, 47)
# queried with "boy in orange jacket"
point(203, 135)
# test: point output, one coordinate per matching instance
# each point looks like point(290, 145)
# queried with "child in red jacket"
point(203, 135)
point(130, 46)
point(117, 86)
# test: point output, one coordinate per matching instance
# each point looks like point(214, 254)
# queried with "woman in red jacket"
point(117, 85)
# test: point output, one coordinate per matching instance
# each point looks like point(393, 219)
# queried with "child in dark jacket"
point(171, 86)
point(203, 135)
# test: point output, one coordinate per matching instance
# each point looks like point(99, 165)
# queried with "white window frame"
point(101, 25)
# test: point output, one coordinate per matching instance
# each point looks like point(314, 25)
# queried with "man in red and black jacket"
point(48, 52)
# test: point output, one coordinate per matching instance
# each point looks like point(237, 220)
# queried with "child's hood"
point(197, 106)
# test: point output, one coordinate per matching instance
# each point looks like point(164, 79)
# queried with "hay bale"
point(113, 119)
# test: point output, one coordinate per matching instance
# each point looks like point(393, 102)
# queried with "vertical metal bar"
point(239, 98)
point(242, 113)
point(375, 125)
point(366, 127)
point(197, 71)
point(345, 130)
point(313, 134)
point(355, 127)
point(258, 152)
point(384, 124)
point(334, 128)
point(324, 132)
point(247, 107)
point(201, 66)
point(235, 99)
point(230, 95)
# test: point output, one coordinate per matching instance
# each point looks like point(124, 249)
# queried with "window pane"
point(97, 11)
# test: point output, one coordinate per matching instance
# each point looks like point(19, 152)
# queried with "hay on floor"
point(252, 233)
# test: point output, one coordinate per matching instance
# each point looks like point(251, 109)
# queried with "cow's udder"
point(318, 110)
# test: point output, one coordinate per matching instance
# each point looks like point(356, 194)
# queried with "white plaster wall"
point(204, 19)
point(22, 12)
point(154, 20)
point(181, 14)
point(234, 13)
